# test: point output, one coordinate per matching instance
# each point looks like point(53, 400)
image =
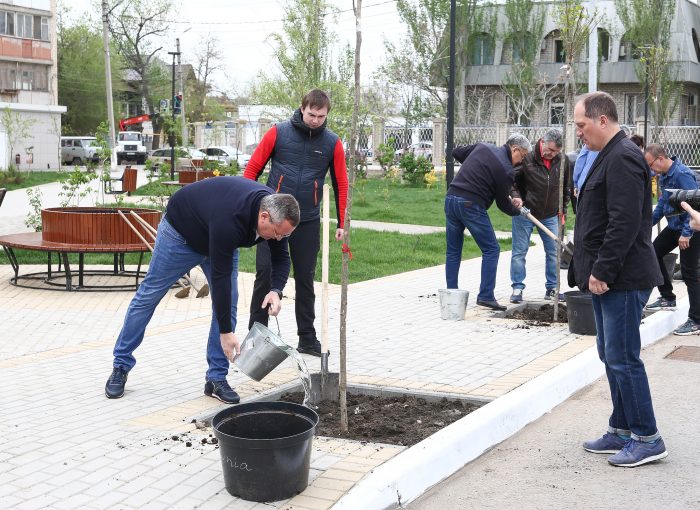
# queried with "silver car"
point(226, 154)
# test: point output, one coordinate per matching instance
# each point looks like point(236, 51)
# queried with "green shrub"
point(414, 168)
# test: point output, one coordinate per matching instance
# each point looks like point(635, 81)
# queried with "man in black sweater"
point(486, 175)
point(205, 224)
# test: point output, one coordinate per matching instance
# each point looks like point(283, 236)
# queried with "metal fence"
point(681, 141)
point(467, 135)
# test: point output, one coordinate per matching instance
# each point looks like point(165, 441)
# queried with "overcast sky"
point(242, 27)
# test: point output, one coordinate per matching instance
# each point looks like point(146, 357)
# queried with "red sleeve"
point(339, 178)
point(261, 156)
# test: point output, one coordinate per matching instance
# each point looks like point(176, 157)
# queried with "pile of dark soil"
point(542, 316)
point(403, 420)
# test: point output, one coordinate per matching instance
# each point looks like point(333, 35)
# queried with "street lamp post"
point(171, 134)
point(449, 161)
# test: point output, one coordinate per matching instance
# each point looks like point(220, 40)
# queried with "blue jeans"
point(522, 229)
point(618, 314)
point(460, 214)
point(172, 258)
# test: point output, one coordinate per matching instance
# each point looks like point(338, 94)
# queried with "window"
point(7, 23)
point(556, 111)
point(25, 26)
point(17, 76)
point(559, 54)
point(482, 50)
point(634, 107)
point(603, 45)
point(696, 45)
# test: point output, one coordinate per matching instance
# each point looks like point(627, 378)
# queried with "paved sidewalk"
point(66, 446)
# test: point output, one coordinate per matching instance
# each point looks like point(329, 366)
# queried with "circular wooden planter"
point(94, 225)
point(189, 176)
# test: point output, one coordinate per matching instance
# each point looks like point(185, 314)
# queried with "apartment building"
point(30, 130)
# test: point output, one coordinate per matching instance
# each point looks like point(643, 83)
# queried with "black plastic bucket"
point(265, 449)
point(579, 310)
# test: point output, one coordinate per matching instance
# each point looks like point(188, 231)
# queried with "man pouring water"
point(205, 224)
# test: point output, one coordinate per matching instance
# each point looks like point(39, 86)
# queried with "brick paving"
point(64, 445)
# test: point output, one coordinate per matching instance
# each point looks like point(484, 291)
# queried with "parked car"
point(76, 150)
point(185, 157)
point(424, 149)
point(226, 154)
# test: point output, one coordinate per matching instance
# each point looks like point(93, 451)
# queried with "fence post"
point(377, 134)
point(263, 127)
point(439, 126)
point(240, 135)
point(570, 137)
point(501, 133)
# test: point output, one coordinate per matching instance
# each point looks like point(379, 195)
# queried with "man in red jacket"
point(302, 151)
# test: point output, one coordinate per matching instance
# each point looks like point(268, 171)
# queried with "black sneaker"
point(493, 305)
point(116, 382)
point(313, 348)
point(222, 391)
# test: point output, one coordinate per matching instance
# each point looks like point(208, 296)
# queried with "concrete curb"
point(413, 471)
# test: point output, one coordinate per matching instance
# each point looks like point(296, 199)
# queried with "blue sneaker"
point(689, 327)
point(116, 382)
point(551, 293)
point(609, 443)
point(635, 453)
point(516, 296)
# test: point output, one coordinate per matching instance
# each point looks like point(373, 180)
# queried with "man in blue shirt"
point(584, 162)
point(675, 175)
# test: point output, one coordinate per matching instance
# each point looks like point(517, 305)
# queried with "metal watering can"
point(261, 352)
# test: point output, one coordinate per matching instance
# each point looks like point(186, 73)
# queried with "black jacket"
point(612, 237)
point(216, 216)
point(486, 175)
point(538, 186)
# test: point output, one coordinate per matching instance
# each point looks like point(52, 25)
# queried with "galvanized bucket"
point(453, 304)
point(261, 352)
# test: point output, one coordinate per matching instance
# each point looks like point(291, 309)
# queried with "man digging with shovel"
point(205, 224)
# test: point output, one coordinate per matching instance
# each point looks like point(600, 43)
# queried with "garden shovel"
point(324, 386)
point(549, 233)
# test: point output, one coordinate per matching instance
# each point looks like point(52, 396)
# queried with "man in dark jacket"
point(614, 259)
point(486, 175)
point(205, 224)
point(302, 151)
point(537, 188)
point(673, 174)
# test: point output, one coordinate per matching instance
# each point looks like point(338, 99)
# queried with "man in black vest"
point(302, 151)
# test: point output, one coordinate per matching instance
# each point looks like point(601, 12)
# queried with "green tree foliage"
point(651, 35)
point(81, 75)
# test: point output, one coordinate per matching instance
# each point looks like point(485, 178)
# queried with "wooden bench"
point(127, 180)
point(33, 241)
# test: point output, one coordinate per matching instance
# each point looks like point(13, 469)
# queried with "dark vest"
point(300, 161)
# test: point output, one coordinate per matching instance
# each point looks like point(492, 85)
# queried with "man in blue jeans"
point(614, 260)
point(205, 224)
point(486, 175)
point(537, 188)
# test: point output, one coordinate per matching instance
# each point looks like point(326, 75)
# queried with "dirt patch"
point(542, 316)
point(404, 420)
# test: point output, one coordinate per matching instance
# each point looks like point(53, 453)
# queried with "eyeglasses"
point(279, 236)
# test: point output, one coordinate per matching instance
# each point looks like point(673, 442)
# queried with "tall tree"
point(81, 74)
point(524, 86)
point(208, 60)
point(136, 28)
point(651, 35)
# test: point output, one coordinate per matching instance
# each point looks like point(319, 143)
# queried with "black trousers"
point(665, 242)
point(304, 244)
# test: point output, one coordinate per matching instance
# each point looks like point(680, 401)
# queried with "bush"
point(414, 168)
point(11, 176)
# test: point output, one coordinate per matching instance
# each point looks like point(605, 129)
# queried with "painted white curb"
point(413, 471)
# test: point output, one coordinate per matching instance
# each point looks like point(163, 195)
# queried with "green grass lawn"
point(375, 254)
point(29, 179)
point(376, 200)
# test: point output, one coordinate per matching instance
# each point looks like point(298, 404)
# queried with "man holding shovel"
point(537, 188)
point(614, 260)
point(205, 224)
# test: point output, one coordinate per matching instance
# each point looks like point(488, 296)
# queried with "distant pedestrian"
point(614, 260)
point(204, 224)
point(638, 140)
point(486, 175)
point(675, 175)
point(537, 188)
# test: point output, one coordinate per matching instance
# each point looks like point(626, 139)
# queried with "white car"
point(424, 149)
point(226, 154)
point(184, 157)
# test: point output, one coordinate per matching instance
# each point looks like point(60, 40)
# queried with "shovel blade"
point(182, 293)
point(325, 387)
point(203, 291)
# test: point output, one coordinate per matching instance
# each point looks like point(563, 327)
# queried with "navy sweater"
point(486, 175)
point(216, 216)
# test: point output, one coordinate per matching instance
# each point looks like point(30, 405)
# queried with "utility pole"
point(449, 160)
point(171, 134)
point(108, 85)
point(182, 92)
